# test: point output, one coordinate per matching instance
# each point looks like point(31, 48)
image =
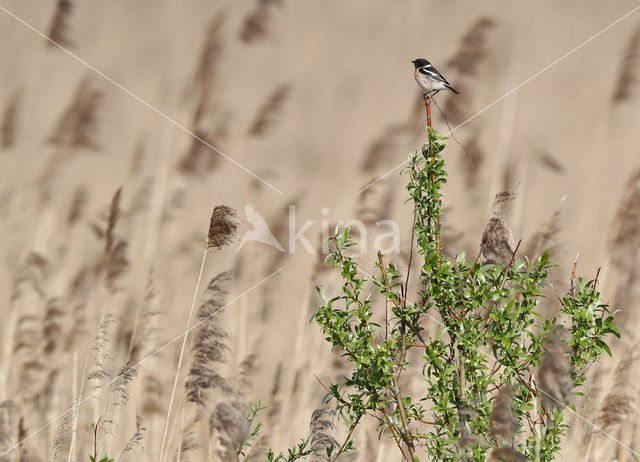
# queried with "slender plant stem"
point(184, 345)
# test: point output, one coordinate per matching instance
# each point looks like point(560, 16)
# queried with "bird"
point(429, 78)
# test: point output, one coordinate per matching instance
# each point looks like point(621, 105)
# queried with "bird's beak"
point(414, 61)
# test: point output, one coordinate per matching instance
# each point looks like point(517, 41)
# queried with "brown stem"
point(395, 437)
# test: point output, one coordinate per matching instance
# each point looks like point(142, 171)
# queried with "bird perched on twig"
point(429, 78)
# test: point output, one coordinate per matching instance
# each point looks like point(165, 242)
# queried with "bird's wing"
point(432, 73)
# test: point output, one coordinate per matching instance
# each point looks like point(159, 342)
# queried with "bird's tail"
point(453, 89)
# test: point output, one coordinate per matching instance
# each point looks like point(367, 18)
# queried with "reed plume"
point(506, 455)
point(473, 49)
point(497, 244)
point(77, 126)
point(59, 24)
point(199, 158)
point(78, 205)
point(627, 76)
point(9, 125)
point(135, 443)
point(321, 435)
point(115, 259)
point(9, 428)
point(621, 404)
point(270, 111)
point(205, 77)
point(257, 23)
point(503, 424)
point(549, 162)
point(625, 242)
point(210, 345)
point(554, 375)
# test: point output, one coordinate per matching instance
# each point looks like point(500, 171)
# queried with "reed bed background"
point(105, 205)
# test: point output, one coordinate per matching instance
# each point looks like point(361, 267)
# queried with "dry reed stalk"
point(74, 407)
point(115, 260)
point(144, 333)
point(628, 71)
point(257, 23)
point(473, 49)
point(59, 24)
point(9, 125)
point(78, 205)
point(554, 375)
point(223, 227)
point(62, 439)
point(497, 244)
point(189, 442)
point(204, 80)
point(135, 442)
point(270, 111)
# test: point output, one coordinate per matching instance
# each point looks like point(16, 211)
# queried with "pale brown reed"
point(554, 375)
point(621, 403)
point(59, 27)
point(503, 425)
point(270, 111)
point(473, 49)
point(9, 125)
point(506, 455)
point(9, 425)
point(76, 128)
point(497, 243)
point(205, 77)
point(199, 159)
point(53, 326)
point(135, 443)
point(383, 149)
point(115, 259)
point(78, 205)
point(628, 75)
point(257, 23)
point(210, 346)
point(625, 242)
point(144, 334)
point(223, 227)
point(549, 161)
point(321, 435)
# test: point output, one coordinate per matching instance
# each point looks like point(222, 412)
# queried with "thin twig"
point(182, 349)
